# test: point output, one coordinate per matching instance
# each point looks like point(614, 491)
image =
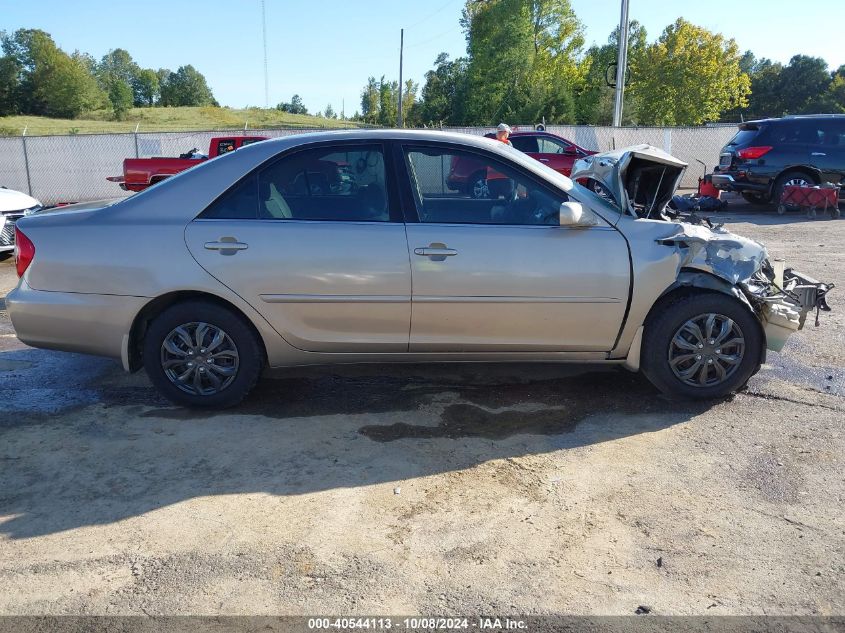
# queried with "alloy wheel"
point(199, 358)
point(706, 350)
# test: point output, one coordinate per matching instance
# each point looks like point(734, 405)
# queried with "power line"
point(431, 39)
point(432, 14)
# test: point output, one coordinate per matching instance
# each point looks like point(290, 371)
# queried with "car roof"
point(534, 133)
point(794, 117)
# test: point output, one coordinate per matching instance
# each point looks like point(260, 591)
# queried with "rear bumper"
point(727, 182)
point(72, 322)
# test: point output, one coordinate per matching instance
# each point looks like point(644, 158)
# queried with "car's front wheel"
point(702, 345)
point(201, 354)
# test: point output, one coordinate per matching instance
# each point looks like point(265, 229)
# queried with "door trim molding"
point(307, 298)
point(496, 299)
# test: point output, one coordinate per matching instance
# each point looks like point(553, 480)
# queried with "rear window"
point(745, 135)
point(225, 146)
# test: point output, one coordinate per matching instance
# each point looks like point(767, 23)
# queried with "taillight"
point(24, 252)
point(750, 153)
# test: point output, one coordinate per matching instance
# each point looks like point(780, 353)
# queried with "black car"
point(764, 156)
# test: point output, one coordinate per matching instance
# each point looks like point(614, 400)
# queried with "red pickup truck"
point(140, 173)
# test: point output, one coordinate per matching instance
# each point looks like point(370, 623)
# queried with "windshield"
point(583, 195)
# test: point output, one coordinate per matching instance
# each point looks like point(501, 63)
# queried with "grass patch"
point(166, 120)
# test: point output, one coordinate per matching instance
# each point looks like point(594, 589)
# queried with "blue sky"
point(324, 50)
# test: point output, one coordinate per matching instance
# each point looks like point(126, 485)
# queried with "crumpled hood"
point(732, 257)
point(11, 200)
point(641, 179)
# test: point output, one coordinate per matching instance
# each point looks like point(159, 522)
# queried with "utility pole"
point(266, 75)
point(401, 49)
point(621, 65)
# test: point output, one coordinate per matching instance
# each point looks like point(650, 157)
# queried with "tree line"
point(526, 61)
point(37, 77)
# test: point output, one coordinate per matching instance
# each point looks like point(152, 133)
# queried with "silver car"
point(350, 247)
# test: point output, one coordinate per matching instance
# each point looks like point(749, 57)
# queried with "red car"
point(550, 149)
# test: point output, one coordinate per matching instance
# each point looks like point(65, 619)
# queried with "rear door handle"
point(226, 244)
point(544, 160)
point(437, 252)
point(818, 154)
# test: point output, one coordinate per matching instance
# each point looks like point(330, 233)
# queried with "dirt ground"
point(433, 489)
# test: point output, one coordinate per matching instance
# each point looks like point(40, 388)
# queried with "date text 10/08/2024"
point(424, 623)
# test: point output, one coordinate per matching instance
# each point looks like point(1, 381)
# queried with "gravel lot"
point(432, 489)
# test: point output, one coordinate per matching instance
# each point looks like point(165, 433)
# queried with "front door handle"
point(226, 246)
point(436, 251)
point(818, 154)
point(544, 160)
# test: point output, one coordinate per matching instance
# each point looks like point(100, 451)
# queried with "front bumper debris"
point(783, 298)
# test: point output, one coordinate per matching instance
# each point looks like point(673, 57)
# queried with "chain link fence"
point(74, 168)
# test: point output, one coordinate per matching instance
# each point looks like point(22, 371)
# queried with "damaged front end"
point(783, 297)
point(780, 297)
point(641, 180)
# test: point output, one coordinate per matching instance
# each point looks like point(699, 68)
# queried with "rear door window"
point(239, 203)
point(328, 183)
point(795, 131)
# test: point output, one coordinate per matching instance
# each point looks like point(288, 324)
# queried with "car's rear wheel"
point(702, 345)
point(790, 178)
point(755, 198)
point(201, 354)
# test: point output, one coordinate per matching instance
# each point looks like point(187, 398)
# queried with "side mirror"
point(572, 214)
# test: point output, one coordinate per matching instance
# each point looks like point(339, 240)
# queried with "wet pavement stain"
point(478, 400)
point(468, 400)
point(41, 382)
point(479, 386)
point(547, 407)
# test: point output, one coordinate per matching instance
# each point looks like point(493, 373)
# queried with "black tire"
point(477, 187)
point(758, 199)
point(671, 315)
point(5, 255)
point(245, 366)
point(787, 177)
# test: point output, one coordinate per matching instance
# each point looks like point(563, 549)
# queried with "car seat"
point(274, 203)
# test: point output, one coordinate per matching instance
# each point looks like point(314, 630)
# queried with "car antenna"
point(656, 191)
